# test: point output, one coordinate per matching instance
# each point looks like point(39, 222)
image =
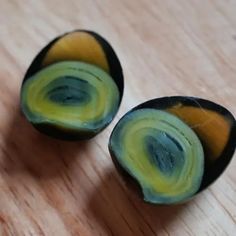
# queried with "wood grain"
point(50, 187)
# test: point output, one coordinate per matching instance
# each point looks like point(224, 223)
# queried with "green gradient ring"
point(74, 86)
point(159, 146)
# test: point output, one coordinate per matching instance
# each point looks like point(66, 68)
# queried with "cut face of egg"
point(74, 86)
point(173, 147)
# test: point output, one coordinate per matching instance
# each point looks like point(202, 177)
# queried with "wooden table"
point(50, 187)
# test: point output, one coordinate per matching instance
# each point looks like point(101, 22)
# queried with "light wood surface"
point(50, 187)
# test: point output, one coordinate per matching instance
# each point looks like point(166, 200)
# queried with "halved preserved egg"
point(173, 147)
point(74, 86)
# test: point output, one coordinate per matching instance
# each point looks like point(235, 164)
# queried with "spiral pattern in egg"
point(74, 96)
point(161, 152)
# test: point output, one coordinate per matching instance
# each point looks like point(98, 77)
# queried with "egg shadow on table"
point(121, 211)
point(28, 151)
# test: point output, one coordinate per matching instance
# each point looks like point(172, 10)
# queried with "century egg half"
point(173, 147)
point(74, 86)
